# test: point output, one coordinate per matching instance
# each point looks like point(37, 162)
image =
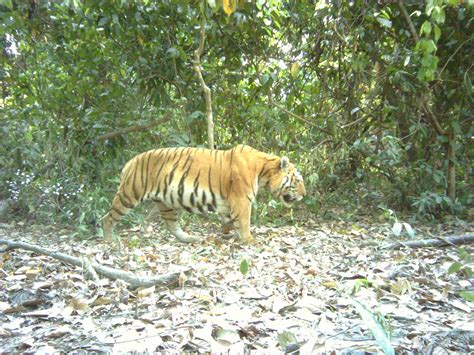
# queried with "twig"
point(454, 53)
point(363, 118)
point(302, 119)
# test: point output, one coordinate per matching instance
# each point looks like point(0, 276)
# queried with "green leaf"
point(409, 230)
point(455, 267)
point(7, 3)
point(438, 14)
point(456, 127)
point(227, 336)
point(244, 266)
point(437, 33)
point(377, 329)
point(427, 45)
point(407, 61)
point(359, 283)
point(286, 338)
point(429, 7)
point(103, 21)
point(464, 255)
point(442, 138)
point(397, 228)
point(295, 69)
point(426, 28)
point(468, 296)
point(264, 79)
point(172, 52)
point(384, 22)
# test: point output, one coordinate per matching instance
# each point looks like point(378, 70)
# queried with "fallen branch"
point(438, 242)
point(131, 279)
point(133, 128)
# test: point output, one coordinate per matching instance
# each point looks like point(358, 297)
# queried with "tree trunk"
point(205, 88)
point(451, 169)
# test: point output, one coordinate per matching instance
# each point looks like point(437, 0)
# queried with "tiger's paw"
point(113, 242)
point(249, 240)
point(188, 240)
point(184, 237)
point(227, 228)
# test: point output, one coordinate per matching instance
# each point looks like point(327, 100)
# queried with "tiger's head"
point(288, 183)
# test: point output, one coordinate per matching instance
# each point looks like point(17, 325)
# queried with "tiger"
point(200, 180)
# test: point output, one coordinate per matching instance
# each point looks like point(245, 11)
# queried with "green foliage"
point(468, 296)
point(360, 283)
point(286, 338)
point(336, 86)
point(244, 266)
point(377, 326)
point(433, 203)
point(134, 242)
point(463, 266)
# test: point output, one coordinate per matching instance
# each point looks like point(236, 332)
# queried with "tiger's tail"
point(123, 202)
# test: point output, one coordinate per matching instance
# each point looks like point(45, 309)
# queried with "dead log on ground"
point(438, 242)
point(134, 281)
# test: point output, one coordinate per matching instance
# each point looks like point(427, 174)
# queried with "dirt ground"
point(296, 290)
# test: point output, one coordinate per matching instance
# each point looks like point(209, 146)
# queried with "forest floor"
point(297, 295)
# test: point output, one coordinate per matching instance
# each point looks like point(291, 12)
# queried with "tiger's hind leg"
point(120, 207)
point(170, 216)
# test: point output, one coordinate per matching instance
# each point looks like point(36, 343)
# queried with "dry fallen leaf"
point(79, 305)
point(297, 283)
point(145, 292)
point(329, 284)
point(182, 279)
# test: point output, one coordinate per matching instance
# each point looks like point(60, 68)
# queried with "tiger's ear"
point(284, 163)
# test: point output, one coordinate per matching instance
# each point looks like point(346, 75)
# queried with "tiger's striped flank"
point(200, 180)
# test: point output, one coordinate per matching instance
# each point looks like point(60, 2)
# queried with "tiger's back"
point(197, 180)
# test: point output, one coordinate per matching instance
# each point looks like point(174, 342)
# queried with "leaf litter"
point(317, 288)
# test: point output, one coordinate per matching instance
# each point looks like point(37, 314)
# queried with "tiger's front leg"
point(240, 211)
point(170, 216)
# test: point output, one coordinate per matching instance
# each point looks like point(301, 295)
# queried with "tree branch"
point(132, 280)
point(410, 22)
point(133, 128)
point(434, 121)
point(440, 241)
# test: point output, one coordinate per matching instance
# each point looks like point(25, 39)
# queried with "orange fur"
point(202, 180)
